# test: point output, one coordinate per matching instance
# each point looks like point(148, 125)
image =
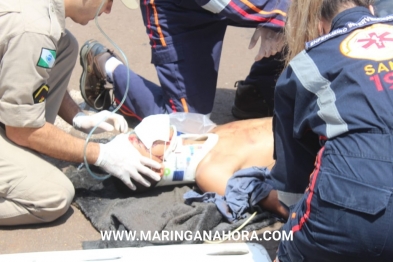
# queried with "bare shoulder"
point(213, 173)
point(242, 125)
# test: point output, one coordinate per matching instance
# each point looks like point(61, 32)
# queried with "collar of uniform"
point(350, 15)
point(58, 5)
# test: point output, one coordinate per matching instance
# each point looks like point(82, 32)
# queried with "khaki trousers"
point(31, 189)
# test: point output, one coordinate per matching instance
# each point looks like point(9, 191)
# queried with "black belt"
point(2, 125)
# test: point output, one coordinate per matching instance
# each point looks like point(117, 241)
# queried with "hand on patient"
point(271, 42)
point(108, 121)
point(122, 160)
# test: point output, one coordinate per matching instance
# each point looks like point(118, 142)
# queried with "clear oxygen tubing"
point(120, 104)
point(233, 232)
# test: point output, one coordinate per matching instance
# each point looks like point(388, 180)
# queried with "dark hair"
point(330, 8)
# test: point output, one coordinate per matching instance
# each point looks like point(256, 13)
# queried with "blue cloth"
point(244, 190)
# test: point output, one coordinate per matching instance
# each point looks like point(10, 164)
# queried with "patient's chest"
point(242, 145)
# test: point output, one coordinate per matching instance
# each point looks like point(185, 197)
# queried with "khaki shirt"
point(29, 33)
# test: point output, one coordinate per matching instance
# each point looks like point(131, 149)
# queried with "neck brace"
point(181, 161)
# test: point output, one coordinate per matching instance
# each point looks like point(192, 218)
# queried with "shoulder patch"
point(47, 58)
point(40, 94)
point(373, 43)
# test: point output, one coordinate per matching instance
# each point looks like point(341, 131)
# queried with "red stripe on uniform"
point(126, 111)
point(254, 17)
point(172, 106)
point(323, 138)
point(156, 20)
point(149, 24)
point(311, 194)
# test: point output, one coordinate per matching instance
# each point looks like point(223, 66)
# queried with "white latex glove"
point(271, 42)
point(121, 159)
point(113, 121)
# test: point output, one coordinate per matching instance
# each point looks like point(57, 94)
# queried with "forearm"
point(68, 108)
point(269, 13)
point(272, 204)
point(54, 142)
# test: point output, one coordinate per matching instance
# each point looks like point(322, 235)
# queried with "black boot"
point(249, 102)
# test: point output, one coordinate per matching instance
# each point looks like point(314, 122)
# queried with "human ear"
point(371, 8)
point(324, 27)
point(320, 28)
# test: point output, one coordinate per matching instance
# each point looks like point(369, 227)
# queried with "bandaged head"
point(155, 128)
point(132, 4)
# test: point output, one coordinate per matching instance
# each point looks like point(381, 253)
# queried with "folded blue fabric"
point(244, 190)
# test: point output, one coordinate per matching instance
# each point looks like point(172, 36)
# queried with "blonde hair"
point(304, 17)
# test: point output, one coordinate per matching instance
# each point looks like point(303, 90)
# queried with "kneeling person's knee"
point(58, 201)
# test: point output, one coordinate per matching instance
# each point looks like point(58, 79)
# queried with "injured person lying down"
point(209, 159)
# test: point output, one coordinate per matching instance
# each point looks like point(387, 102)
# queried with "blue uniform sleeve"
point(294, 156)
point(250, 13)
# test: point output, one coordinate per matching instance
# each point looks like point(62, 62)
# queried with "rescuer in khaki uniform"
point(37, 57)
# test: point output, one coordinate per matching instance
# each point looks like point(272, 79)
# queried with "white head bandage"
point(132, 4)
point(153, 128)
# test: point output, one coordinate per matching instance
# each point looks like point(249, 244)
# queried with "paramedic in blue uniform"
point(37, 57)
point(186, 40)
point(333, 131)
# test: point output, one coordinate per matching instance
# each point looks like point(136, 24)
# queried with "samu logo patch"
point(373, 43)
point(40, 94)
point(47, 58)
